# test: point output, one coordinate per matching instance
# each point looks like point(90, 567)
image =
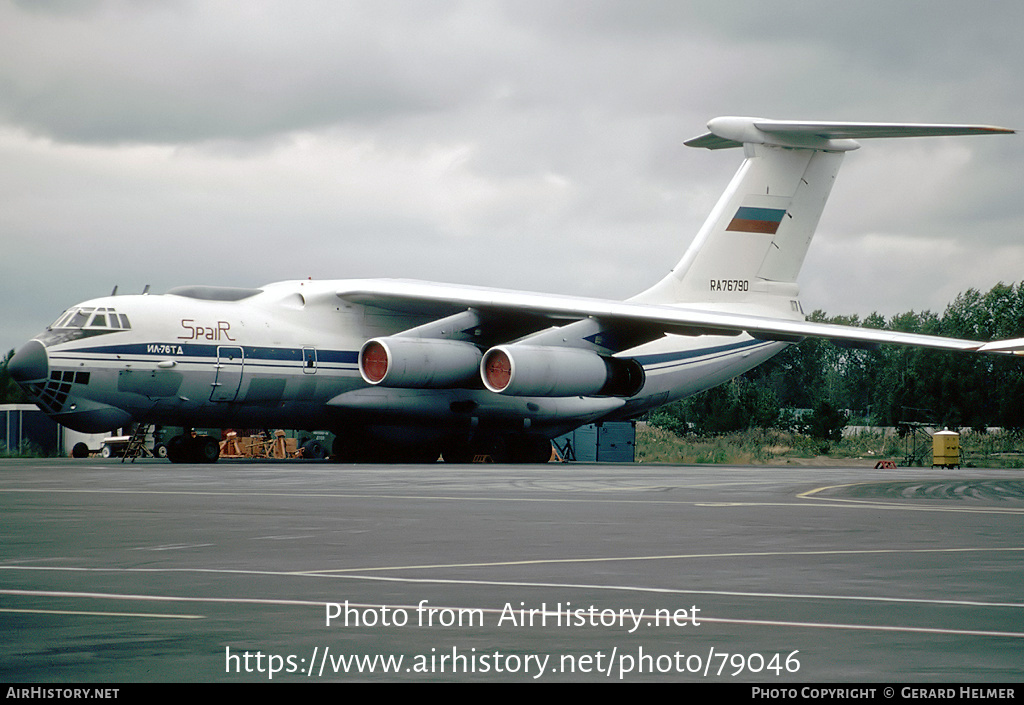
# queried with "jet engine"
point(419, 363)
point(542, 371)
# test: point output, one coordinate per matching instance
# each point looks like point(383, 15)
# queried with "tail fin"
point(750, 249)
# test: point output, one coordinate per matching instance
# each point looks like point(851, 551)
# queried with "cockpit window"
point(79, 318)
point(103, 319)
point(84, 322)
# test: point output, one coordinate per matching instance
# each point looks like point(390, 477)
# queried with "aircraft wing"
point(427, 298)
point(1015, 346)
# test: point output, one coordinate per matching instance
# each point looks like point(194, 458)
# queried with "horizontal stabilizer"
point(726, 132)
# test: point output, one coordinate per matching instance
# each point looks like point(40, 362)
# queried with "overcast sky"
point(519, 144)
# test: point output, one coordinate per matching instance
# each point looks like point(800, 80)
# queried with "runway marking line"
point(440, 497)
point(613, 559)
point(141, 598)
point(806, 495)
point(456, 581)
point(686, 591)
point(83, 613)
point(304, 603)
point(867, 627)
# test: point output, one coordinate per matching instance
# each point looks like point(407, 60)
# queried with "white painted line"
point(80, 613)
point(680, 556)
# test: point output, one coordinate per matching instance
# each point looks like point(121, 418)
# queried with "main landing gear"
point(499, 449)
point(351, 447)
point(190, 448)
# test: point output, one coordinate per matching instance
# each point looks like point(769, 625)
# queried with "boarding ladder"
point(137, 443)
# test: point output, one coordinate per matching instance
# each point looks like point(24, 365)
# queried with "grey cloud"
point(335, 139)
point(190, 72)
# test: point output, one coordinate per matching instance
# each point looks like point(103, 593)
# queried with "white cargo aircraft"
point(407, 370)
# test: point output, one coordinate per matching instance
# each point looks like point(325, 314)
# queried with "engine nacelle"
point(419, 363)
point(542, 371)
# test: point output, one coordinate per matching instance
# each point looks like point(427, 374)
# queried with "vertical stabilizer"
point(749, 251)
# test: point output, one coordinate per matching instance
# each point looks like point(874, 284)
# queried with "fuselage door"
point(230, 361)
point(309, 361)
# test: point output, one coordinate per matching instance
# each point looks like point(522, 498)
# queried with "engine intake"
point(419, 363)
point(542, 371)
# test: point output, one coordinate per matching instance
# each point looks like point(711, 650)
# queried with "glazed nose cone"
point(29, 363)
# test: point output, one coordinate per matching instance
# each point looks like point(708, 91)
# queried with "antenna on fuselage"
point(146, 290)
point(114, 292)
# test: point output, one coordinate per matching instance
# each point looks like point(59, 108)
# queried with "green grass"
point(27, 450)
point(774, 447)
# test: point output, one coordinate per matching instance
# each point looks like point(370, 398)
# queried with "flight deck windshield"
point(84, 322)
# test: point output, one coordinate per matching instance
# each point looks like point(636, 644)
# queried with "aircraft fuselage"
point(286, 356)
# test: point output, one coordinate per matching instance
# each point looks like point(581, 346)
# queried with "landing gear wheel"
point(189, 449)
point(207, 449)
point(313, 450)
point(177, 450)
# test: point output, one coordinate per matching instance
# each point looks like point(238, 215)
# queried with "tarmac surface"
point(285, 572)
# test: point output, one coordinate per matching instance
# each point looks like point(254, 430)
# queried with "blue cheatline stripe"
point(194, 350)
point(269, 356)
point(351, 356)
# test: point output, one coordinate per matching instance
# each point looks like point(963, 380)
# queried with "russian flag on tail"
point(757, 220)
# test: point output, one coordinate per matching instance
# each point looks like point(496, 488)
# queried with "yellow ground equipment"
point(946, 449)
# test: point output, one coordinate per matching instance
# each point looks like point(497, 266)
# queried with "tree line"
point(10, 392)
point(817, 387)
